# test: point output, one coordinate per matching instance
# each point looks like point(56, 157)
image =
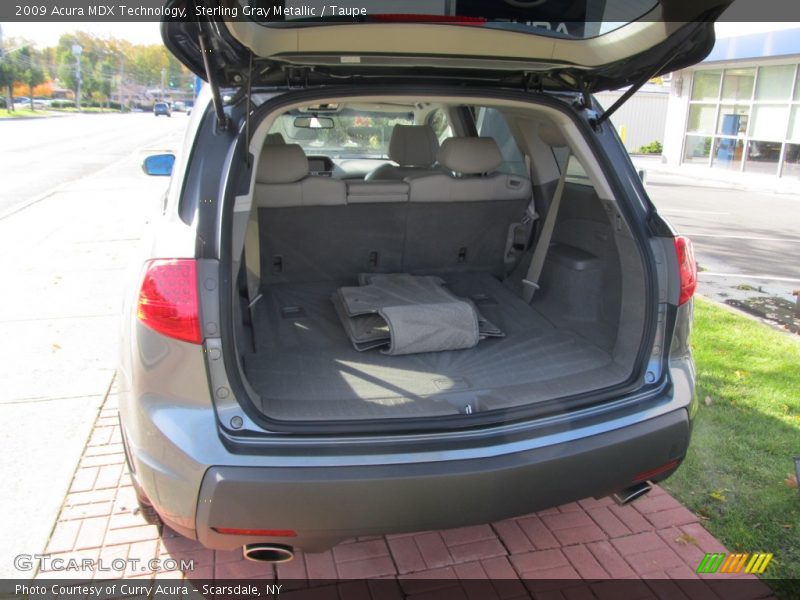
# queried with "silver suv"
point(406, 286)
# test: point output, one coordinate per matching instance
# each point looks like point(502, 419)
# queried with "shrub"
point(651, 148)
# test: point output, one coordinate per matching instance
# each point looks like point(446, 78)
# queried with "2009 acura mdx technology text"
point(406, 277)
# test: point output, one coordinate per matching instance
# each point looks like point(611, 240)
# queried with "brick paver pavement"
point(653, 538)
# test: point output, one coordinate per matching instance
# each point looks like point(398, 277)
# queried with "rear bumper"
point(325, 505)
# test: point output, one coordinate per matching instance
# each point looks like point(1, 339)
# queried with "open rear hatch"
point(581, 45)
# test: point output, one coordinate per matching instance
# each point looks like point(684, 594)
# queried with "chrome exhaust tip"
point(271, 553)
point(628, 495)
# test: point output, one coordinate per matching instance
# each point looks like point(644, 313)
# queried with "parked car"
point(162, 108)
point(524, 333)
point(21, 102)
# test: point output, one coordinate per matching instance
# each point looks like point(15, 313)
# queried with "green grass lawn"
point(746, 435)
point(42, 112)
point(18, 113)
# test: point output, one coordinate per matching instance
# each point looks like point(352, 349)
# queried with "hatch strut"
point(624, 98)
point(222, 118)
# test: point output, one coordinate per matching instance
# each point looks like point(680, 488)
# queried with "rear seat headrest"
point(284, 163)
point(413, 145)
point(470, 155)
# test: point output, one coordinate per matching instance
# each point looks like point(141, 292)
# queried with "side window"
point(490, 122)
point(575, 171)
point(441, 124)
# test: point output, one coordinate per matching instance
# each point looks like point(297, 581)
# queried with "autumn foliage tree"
point(30, 70)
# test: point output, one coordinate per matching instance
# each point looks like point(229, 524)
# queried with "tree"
point(102, 63)
point(29, 70)
point(103, 75)
point(8, 76)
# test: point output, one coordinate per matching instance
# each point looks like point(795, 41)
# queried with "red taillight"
point(257, 532)
point(168, 299)
point(687, 267)
point(644, 476)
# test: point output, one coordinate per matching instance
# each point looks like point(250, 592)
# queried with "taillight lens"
point(687, 267)
point(257, 532)
point(168, 299)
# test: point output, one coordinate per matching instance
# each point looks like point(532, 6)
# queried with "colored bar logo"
point(720, 562)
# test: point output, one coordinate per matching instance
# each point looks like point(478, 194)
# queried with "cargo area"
point(312, 234)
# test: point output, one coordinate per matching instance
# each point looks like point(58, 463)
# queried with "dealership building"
point(738, 112)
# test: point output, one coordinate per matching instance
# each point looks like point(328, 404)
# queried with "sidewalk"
point(65, 260)
point(654, 538)
point(716, 178)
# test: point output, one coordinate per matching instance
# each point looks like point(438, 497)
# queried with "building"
point(642, 119)
point(738, 112)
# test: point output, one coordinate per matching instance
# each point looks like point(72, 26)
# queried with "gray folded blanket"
point(406, 314)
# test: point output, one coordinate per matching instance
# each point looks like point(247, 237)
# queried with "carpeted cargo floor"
point(305, 367)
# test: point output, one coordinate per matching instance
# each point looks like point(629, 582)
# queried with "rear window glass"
point(348, 133)
point(562, 18)
point(576, 173)
point(490, 122)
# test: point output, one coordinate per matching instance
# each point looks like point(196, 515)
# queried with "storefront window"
point(762, 157)
point(706, 85)
point(701, 118)
point(769, 122)
point(791, 162)
point(727, 153)
point(697, 149)
point(794, 125)
point(745, 119)
point(733, 119)
point(775, 83)
point(738, 84)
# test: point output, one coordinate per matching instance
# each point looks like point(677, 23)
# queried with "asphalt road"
point(37, 155)
point(740, 236)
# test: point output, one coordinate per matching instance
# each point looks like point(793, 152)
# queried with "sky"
point(47, 34)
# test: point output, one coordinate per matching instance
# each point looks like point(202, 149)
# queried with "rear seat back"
point(314, 228)
point(364, 192)
point(318, 228)
point(460, 220)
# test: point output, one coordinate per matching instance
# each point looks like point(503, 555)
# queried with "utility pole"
point(121, 77)
point(163, 73)
point(76, 51)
